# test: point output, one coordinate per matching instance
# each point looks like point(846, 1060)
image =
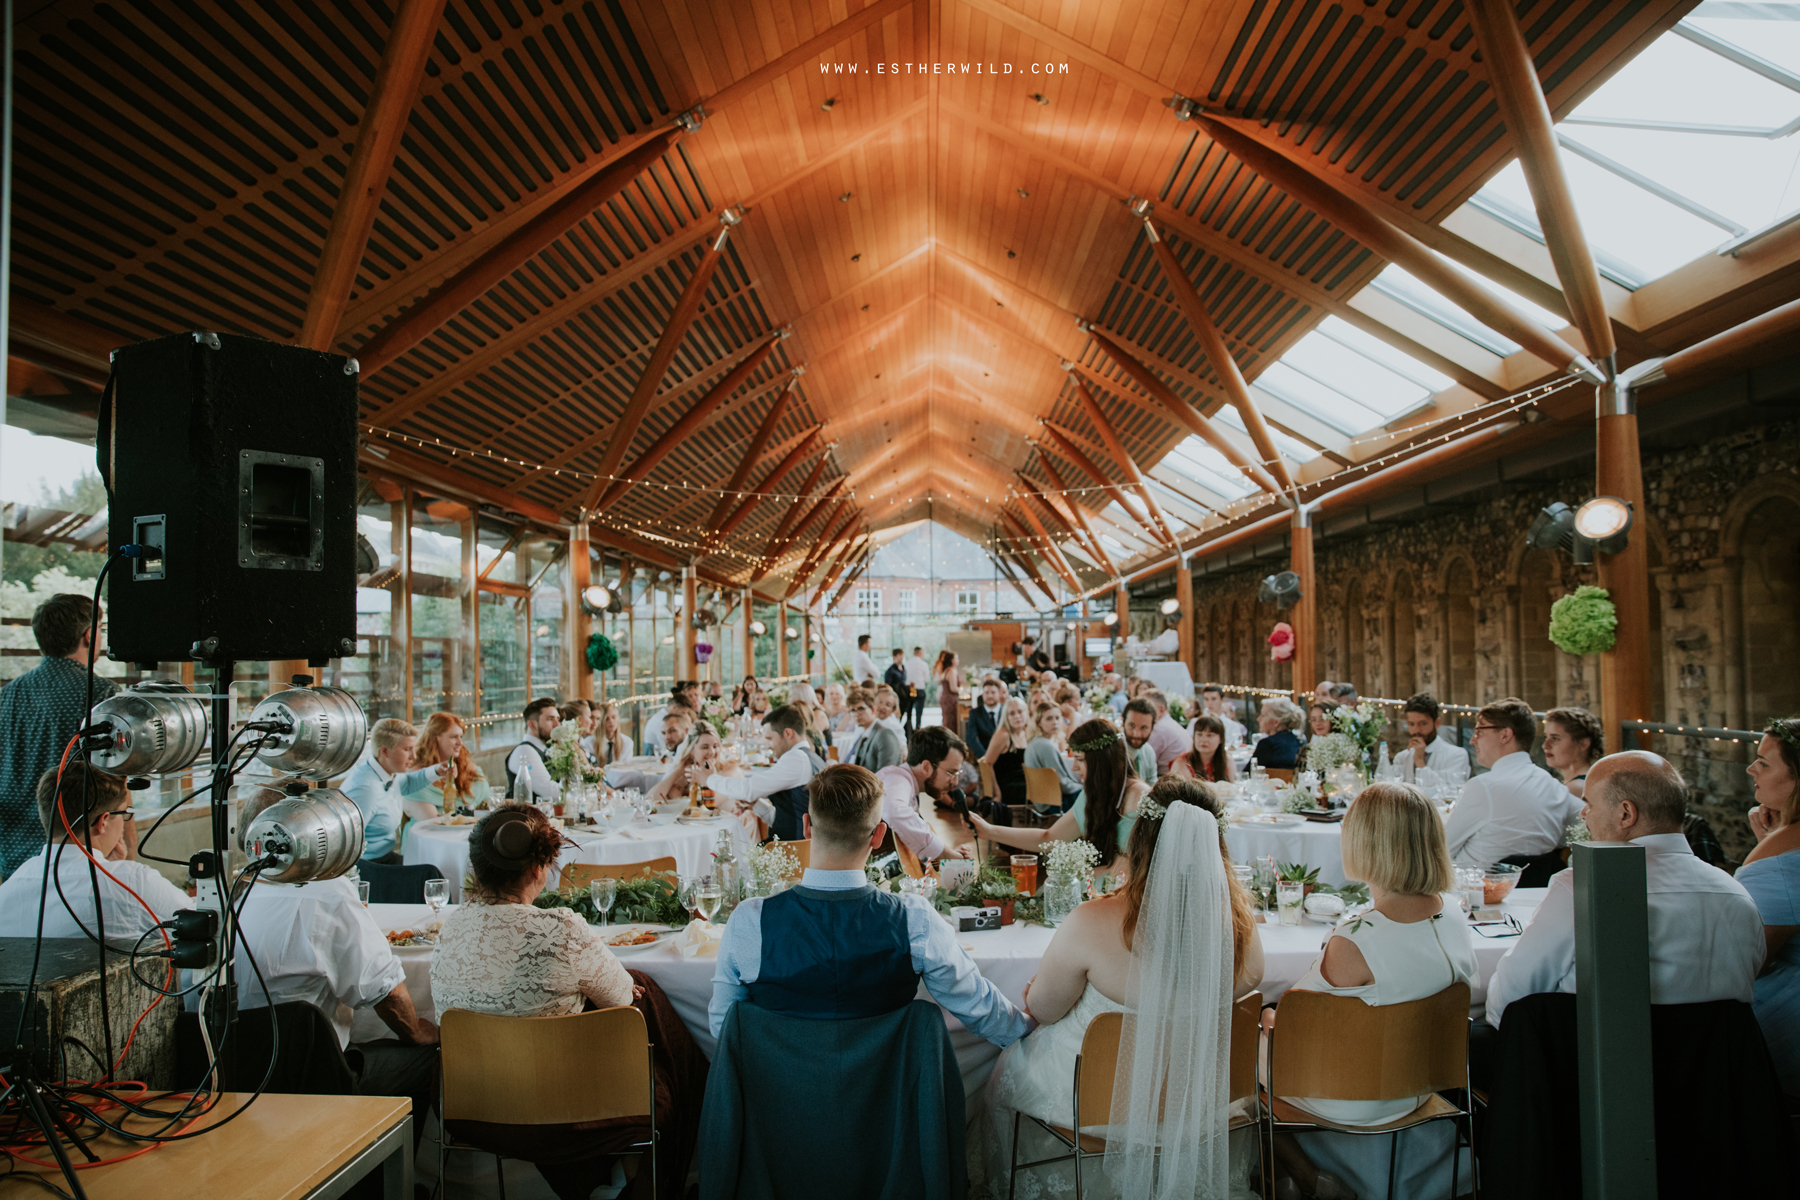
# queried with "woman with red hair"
point(442, 742)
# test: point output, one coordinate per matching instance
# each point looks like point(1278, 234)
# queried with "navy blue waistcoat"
point(790, 806)
point(834, 955)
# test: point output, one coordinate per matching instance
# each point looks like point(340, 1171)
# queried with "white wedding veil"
point(1175, 1047)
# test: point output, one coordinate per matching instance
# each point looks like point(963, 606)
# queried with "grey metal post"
point(1612, 1015)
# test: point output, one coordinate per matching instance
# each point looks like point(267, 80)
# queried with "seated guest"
point(576, 712)
point(1280, 744)
point(610, 743)
point(1574, 740)
point(1517, 808)
point(1138, 725)
point(554, 964)
point(777, 793)
point(759, 704)
point(656, 738)
point(1105, 809)
point(68, 910)
point(1318, 725)
point(1426, 745)
point(877, 746)
point(835, 948)
point(1410, 945)
point(1213, 697)
point(1706, 937)
point(934, 758)
point(442, 742)
point(1207, 760)
point(701, 751)
point(1168, 740)
point(984, 716)
point(1171, 951)
point(317, 943)
point(1006, 752)
point(381, 782)
point(1324, 690)
point(740, 695)
point(837, 709)
point(527, 779)
point(1771, 874)
point(1345, 693)
point(1045, 750)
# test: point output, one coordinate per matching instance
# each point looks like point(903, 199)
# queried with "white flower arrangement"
point(1070, 858)
point(1332, 750)
point(565, 758)
point(772, 862)
point(1577, 832)
point(1178, 708)
point(1362, 724)
point(1294, 800)
point(717, 713)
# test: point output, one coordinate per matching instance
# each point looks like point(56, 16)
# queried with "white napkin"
point(630, 833)
point(699, 938)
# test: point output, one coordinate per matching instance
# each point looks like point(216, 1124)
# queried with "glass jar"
point(1061, 895)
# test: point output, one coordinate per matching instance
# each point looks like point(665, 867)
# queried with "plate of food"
point(1276, 820)
point(456, 819)
point(697, 816)
point(399, 939)
point(635, 939)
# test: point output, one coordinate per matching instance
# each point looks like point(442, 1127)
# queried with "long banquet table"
point(1312, 843)
point(1008, 956)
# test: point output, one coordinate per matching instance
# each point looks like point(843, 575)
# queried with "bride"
point(1171, 951)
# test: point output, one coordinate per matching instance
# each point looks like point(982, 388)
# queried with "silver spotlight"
point(315, 732)
point(150, 728)
point(310, 833)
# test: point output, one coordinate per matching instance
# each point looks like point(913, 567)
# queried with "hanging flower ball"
point(1584, 621)
point(601, 654)
point(1281, 642)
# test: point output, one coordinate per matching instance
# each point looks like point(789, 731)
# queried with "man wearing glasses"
point(1517, 807)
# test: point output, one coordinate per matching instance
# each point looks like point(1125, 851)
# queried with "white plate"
point(663, 933)
point(1275, 820)
point(698, 820)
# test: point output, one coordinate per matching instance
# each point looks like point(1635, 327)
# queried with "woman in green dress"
point(1104, 811)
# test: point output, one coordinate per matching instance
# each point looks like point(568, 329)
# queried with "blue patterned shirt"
point(39, 712)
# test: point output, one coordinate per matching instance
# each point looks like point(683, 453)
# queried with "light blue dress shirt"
point(950, 974)
point(378, 794)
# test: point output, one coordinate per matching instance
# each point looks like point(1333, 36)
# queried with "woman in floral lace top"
point(498, 954)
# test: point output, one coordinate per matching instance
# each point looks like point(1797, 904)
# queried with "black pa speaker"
point(235, 460)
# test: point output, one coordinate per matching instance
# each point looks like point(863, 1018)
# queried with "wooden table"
point(283, 1148)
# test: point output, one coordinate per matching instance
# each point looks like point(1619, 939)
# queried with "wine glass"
point(707, 897)
point(436, 892)
point(603, 892)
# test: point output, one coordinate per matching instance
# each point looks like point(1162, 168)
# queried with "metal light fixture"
point(596, 599)
point(1605, 521)
point(669, 641)
point(792, 633)
point(1110, 619)
point(149, 729)
point(309, 833)
point(1171, 608)
point(1281, 589)
point(1553, 528)
point(315, 732)
point(758, 628)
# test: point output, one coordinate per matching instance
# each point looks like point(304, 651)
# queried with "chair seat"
point(1431, 1108)
point(1090, 1143)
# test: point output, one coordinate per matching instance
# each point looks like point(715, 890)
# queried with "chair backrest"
point(1042, 787)
point(389, 884)
point(802, 849)
point(1100, 1058)
point(578, 875)
point(590, 1066)
point(989, 785)
point(1285, 774)
point(1246, 1036)
point(1339, 1048)
point(831, 752)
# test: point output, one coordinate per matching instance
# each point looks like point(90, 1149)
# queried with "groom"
point(835, 948)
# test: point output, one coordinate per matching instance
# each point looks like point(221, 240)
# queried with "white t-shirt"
point(1516, 808)
point(125, 919)
point(862, 666)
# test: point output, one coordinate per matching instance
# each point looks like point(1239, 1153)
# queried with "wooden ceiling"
point(925, 224)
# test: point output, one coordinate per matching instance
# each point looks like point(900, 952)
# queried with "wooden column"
point(1304, 616)
point(749, 635)
point(1122, 606)
point(685, 667)
point(471, 625)
point(400, 606)
point(1184, 596)
point(1625, 669)
point(581, 625)
point(781, 639)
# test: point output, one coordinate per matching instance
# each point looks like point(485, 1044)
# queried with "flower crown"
point(1150, 810)
point(1784, 730)
point(1099, 741)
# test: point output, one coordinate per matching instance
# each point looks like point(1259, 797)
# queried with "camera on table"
point(969, 919)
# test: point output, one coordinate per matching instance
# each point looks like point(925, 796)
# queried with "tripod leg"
point(49, 1122)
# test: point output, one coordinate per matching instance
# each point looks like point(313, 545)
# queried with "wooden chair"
point(1095, 1067)
point(591, 1066)
point(831, 753)
point(909, 862)
point(1285, 774)
point(1043, 791)
point(579, 875)
point(802, 849)
point(1339, 1048)
point(990, 787)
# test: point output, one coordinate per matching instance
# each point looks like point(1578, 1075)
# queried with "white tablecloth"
point(1008, 956)
point(447, 847)
point(1314, 843)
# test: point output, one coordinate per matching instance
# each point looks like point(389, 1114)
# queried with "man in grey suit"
point(877, 743)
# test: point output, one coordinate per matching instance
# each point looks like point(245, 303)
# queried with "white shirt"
point(126, 921)
point(314, 942)
point(900, 809)
point(526, 762)
point(862, 666)
point(653, 731)
point(917, 673)
point(1441, 755)
point(1706, 937)
point(949, 974)
point(1516, 808)
point(793, 769)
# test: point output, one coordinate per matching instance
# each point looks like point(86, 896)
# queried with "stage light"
point(596, 599)
point(1605, 521)
point(757, 628)
point(669, 641)
point(1281, 589)
point(1171, 608)
point(1110, 619)
point(149, 729)
point(315, 732)
point(1553, 528)
point(309, 833)
point(792, 633)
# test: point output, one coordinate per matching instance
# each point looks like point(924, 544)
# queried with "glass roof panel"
point(1197, 461)
point(1340, 330)
point(1289, 448)
point(1758, 26)
point(1401, 286)
point(1358, 376)
point(1329, 405)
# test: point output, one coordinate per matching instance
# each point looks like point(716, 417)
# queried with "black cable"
point(87, 823)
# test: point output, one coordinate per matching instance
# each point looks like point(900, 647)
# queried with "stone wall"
point(1449, 599)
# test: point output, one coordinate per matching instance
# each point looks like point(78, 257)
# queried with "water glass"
point(362, 891)
point(707, 898)
point(436, 892)
point(1471, 888)
point(603, 892)
point(1246, 877)
point(1291, 893)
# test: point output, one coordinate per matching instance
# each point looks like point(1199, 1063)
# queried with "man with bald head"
point(1706, 938)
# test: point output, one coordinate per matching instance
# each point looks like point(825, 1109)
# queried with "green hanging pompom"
point(601, 656)
point(1584, 621)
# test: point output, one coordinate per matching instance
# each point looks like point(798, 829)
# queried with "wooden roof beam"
point(378, 134)
point(793, 459)
point(680, 318)
point(860, 561)
point(1064, 445)
point(1080, 514)
point(790, 528)
point(1073, 530)
point(1018, 585)
point(839, 565)
point(839, 526)
point(1048, 547)
point(1015, 542)
point(1116, 447)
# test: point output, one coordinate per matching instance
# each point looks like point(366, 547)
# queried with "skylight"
point(1337, 375)
point(1193, 459)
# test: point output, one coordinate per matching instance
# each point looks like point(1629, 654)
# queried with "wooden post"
point(1122, 606)
point(581, 625)
point(685, 630)
point(781, 639)
point(1625, 669)
point(1305, 614)
point(471, 624)
point(749, 635)
point(1184, 596)
point(400, 608)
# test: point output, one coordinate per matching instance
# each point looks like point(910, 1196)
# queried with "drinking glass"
point(1290, 894)
point(603, 892)
point(1246, 876)
point(362, 891)
point(436, 892)
point(707, 897)
point(1024, 872)
point(1471, 889)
